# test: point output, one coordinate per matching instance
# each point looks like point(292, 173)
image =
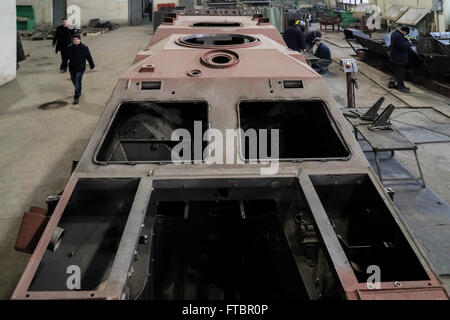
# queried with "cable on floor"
point(421, 127)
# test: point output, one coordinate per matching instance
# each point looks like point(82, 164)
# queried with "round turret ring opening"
point(220, 59)
point(214, 41)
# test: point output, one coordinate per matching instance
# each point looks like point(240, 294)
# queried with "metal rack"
point(235, 3)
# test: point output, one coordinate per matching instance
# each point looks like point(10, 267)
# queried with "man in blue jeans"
point(77, 53)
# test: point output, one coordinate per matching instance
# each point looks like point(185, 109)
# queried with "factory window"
point(216, 24)
point(306, 129)
point(141, 131)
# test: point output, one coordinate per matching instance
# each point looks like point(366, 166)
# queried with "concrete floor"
point(40, 144)
point(434, 157)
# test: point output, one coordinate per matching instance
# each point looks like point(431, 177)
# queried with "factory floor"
point(419, 107)
point(424, 117)
point(39, 141)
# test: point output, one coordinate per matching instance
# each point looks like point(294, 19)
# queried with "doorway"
point(59, 11)
point(135, 12)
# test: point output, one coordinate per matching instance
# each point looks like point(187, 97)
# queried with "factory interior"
point(94, 96)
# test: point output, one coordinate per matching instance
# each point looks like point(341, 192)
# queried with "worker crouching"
point(324, 55)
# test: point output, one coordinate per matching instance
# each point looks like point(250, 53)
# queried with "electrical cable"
point(374, 92)
point(422, 113)
point(415, 125)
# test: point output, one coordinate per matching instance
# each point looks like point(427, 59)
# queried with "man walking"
point(77, 54)
point(398, 57)
point(324, 55)
point(62, 39)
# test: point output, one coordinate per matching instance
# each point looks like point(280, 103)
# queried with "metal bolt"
point(275, 184)
point(143, 239)
point(397, 284)
point(317, 281)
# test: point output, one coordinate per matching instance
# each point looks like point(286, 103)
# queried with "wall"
point(8, 34)
point(329, 3)
point(106, 10)
point(43, 13)
point(386, 4)
point(446, 13)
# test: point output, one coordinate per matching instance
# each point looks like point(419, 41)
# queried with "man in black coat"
point(148, 9)
point(77, 54)
point(62, 39)
point(294, 37)
point(20, 54)
point(398, 57)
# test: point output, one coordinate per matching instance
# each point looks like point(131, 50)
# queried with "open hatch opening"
point(222, 24)
point(141, 131)
point(93, 220)
point(217, 40)
point(306, 129)
point(233, 239)
point(367, 231)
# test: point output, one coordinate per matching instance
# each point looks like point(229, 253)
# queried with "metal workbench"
point(390, 140)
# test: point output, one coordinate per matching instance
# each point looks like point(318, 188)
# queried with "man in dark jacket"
point(309, 39)
point(148, 9)
point(324, 55)
point(77, 54)
point(398, 57)
point(20, 54)
point(294, 37)
point(62, 39)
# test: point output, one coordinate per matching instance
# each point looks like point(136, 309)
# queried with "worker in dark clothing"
point(398, 57)
point(148, 10)
point(302, 25)
point(324, 55)
point(294, 37)
point(309, 39)
point(77, 54)
point(62, 39)
point(20, 54)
